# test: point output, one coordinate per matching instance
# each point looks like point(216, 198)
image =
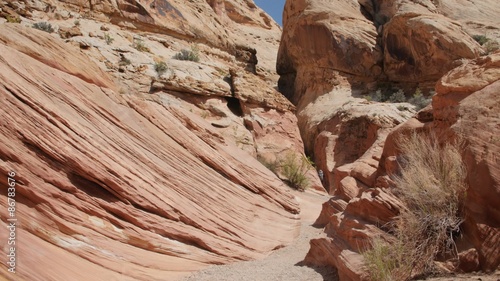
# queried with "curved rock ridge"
point(119, 186)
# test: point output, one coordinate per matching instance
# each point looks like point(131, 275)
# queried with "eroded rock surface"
point(126, 174)
point(465, 107)
point(332, 54)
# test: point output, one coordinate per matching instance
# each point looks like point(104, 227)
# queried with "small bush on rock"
point(108, 38)
point(419, 100)
point(160, 68)
point(13, 19)
point(398, 96)
point(189, 55)
point(44, 26)
point(481, 39)
point(292, 168)
point(140, 46)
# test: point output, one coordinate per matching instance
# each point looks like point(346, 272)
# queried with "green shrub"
point(432, 185)
point(44, 26)
point(419, 100)
point(398, 96)
point(160, 68)
point(108, 38)
point(294, 169)
point(386, 95)
point(140, 46)
point(481, 39)
point(189, 55)
point(377, 96)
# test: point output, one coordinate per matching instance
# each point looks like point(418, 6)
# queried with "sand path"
point(282, 264)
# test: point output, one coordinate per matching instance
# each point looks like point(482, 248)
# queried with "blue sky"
point(273, 7)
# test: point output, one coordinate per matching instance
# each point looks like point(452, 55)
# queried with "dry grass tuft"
point(432, 186)
point(292, 167)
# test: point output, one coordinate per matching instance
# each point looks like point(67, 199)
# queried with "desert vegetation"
point(13, 19)
point(44, 26)
point(160, 68)
point(488, 44)
point(190, 55)
point(397, 96)
point(432, 185)
point(292, 168)
point(140, 46)
point(108, 38)
point(124, 61)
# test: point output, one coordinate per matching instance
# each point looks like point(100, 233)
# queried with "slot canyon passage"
point(201, 140)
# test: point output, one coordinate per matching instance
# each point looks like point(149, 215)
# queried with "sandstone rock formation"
point(124, 173)
point(466, 107)
point(124, 184)
point(332, 54)
point(210, 88)
point(229, 25)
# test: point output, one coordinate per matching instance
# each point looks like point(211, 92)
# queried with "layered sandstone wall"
point(124, 173)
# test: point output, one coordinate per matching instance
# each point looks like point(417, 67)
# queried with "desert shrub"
point(108, 38)
point(160, 68)
point(491, 46)
point(13, 19)
point(386, 261)
point(140, 46)
point(124, 61)
point(432, 185)
point(402, 108)
point(190, 55)
point(272, 165)
point(386, 95)
point(76, 22)
point(294, 169)
point(398, 96)
point(44, 26)
point(377, 96)
point(419, 100)
point(481, 39)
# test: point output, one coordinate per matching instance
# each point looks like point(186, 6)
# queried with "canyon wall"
point(335, 55)
point(125, 171)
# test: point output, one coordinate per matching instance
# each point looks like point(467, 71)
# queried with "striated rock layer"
point(122, 187)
